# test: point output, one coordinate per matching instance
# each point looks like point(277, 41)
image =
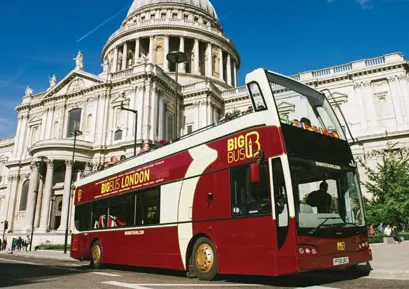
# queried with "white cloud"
point(365, 4)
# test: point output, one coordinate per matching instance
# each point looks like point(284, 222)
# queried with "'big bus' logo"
point(242, 147)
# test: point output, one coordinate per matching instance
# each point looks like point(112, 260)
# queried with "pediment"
point(74, 82)
point(337, 98)
point(285, 107)
point(120, 98)
point(35, 119)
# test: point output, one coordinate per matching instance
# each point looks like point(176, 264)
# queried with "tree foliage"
point(389, 184)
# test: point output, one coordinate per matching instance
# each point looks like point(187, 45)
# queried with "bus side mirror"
point(255, 173)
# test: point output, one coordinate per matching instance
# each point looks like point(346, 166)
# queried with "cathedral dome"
point(203, 5)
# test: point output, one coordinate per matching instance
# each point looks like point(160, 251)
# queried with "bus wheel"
point(204, 259)
point(96, 255)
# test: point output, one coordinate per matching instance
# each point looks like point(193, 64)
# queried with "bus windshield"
point(327, 195)
point(301, 106)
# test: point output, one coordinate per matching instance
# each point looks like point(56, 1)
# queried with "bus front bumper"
point(339, 260)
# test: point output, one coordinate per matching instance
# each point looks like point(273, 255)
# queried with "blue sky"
point(40, 38)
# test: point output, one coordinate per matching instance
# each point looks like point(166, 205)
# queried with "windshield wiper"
point(322, 224)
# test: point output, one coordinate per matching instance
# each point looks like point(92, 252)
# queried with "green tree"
point(389, 184)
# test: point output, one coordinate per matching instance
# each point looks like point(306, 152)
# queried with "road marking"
point(316, 287)
point(125, 285)
point(106, 274)
point(142, 286)
point(21, 262)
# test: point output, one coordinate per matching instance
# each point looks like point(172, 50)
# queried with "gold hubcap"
point(204, 258)
point(96, 254)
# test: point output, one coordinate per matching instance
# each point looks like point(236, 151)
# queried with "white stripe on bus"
point(203, 157)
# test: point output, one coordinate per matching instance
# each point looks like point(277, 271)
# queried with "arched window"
point(74, 120)
point(35, 134)
point(55, 129)
point(216, 66)
point(89, 122)
point(118, 135)
point(24, 196)
point(159, 57)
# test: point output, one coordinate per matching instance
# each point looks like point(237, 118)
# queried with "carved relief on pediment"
point(76, 85)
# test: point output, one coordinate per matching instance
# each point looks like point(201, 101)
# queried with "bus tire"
point(204, 259)
point(96, 255)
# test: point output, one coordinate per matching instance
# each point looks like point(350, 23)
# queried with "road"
point(23, 272)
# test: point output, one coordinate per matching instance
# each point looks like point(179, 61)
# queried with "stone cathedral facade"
point(35, 165)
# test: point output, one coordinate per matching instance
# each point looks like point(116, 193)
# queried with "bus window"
point(250, 198)
point(99, 214)
point(148, 207)
point(280, 194)
point(281, 204)
point(121, 211)
point(257, 97)
point(82, 217)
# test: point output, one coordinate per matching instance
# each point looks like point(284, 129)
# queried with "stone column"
point(229, 70)
point(182, 66)
point(47, 196)
point(370, 105)
point(153, 112)
point(166, 51)
point(397, 106)
point(236, 84)
point(115, 64)
point(139, 99)
point(137, 48)
point(150, 60)
point(196, 60)
point(125, 56)
point(18, 132)
point(209, 65)
point(361, 105)
point(221, 64)
point(11, 198)
point(66, 196)
point(32, 195)
point(39, 198)
point(404, 86)
point(161, 118)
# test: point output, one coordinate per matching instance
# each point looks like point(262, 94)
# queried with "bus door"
point(283, 212)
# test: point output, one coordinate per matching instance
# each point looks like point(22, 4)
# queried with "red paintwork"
point(243, 245)
point(327, 250)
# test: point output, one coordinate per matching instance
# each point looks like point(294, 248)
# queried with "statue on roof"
point(29, 91)
point(79, 61)
point(53, 81)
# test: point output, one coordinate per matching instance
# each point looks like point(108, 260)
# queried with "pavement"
point(390, 261)
point(46, 254)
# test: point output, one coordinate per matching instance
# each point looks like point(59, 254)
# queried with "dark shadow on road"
point(306, 279)
point(17, 274)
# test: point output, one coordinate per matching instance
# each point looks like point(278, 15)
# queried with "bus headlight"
point(306, 249)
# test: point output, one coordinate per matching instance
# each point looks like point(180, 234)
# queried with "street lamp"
point(75, 133)
point(176, 57)
point(136, 124)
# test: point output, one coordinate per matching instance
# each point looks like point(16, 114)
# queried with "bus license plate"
point(340, 261)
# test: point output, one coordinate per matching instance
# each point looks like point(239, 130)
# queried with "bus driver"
point(320, 199)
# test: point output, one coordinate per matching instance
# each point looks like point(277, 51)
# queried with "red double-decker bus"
point(271, 192)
